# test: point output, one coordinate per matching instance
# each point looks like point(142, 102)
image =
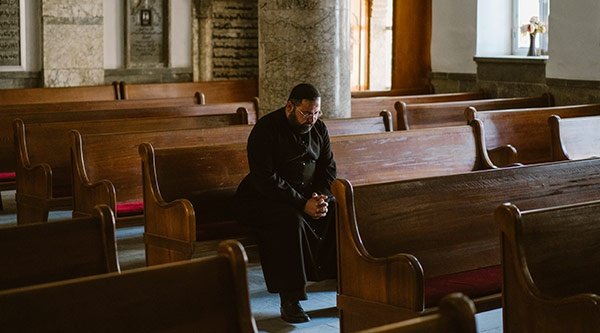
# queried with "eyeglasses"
point(307, 115)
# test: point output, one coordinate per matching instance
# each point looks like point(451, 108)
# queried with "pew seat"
point(208, 294)
point(395, 237)
point(59, 250)
point(551, 267)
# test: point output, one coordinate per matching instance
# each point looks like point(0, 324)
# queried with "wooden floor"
point(265, 306)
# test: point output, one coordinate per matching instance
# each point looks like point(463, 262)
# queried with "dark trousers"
point(293, 247)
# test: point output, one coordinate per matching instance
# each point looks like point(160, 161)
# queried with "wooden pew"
point(187, 189)
point(369, 106)
point(208, 294)
point(525, 129)
point(45, 252)
point(247, 111)
point(574, 138)
point(403, 245)
point(43, 168)
point(439, 114)
point(104, 105)
point(428, 89)
point(106, 167)
point(456, 315)
point(551, 268)
point(63, 94)
point(224, 91)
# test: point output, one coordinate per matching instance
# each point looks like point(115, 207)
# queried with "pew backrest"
point(59, 250)
point(223, 91)
point(62, 94)
point(525, 129)
point(551, 267)
point(425, 115)
point(370, 106)
point(425, 90)
point(574, 138)
point(208, 294)
point(362, 125)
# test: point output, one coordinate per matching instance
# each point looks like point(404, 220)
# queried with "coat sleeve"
point(263, 175)
point(325, 172)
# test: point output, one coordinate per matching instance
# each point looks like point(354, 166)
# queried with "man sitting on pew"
point(286, 197)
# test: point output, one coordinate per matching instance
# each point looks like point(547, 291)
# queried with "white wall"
point(493, 27)
point(573, 45)
point(180, 33)
point(574, 40)
point(453, 38)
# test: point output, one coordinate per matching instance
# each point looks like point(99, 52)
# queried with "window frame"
point(544, 14)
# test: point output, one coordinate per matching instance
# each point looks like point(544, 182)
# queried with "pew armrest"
point(503, 156)
point(87, 195)
point(34, 182)
point(567, 313)
point(169, 230)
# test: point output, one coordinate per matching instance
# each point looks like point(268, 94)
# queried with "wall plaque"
point(10, 33)
point(146, 42)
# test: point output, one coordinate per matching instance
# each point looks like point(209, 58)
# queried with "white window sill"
point(512, 59)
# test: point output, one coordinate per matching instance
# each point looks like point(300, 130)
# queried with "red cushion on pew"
point(476, 283)
point(6, 176)
point(130, 208)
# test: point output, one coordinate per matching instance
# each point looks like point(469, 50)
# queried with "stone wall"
point(72, 34)
point(517, 76)
point(225, 42)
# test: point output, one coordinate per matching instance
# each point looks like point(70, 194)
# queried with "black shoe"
point(292, 312)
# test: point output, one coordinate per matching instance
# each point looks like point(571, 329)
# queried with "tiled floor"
point(265, 306)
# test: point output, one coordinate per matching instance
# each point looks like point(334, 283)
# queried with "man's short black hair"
point(304, 91)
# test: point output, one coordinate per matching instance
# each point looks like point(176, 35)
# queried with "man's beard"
point(297, 126)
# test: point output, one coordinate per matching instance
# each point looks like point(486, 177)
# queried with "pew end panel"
point(169, 227)
point(574, 138)
point(86, 193)
point(456, 315)
point(398, 279)
point(52, 251)
point(36, 194)
point(550, 267)
point(206, 294)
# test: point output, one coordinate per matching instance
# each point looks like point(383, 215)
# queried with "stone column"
point(72, 44)
point(304, 41)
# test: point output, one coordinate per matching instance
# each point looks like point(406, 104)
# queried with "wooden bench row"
point(213, 92)
point(207, 294)
point(403, 245)
point(187, 201)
